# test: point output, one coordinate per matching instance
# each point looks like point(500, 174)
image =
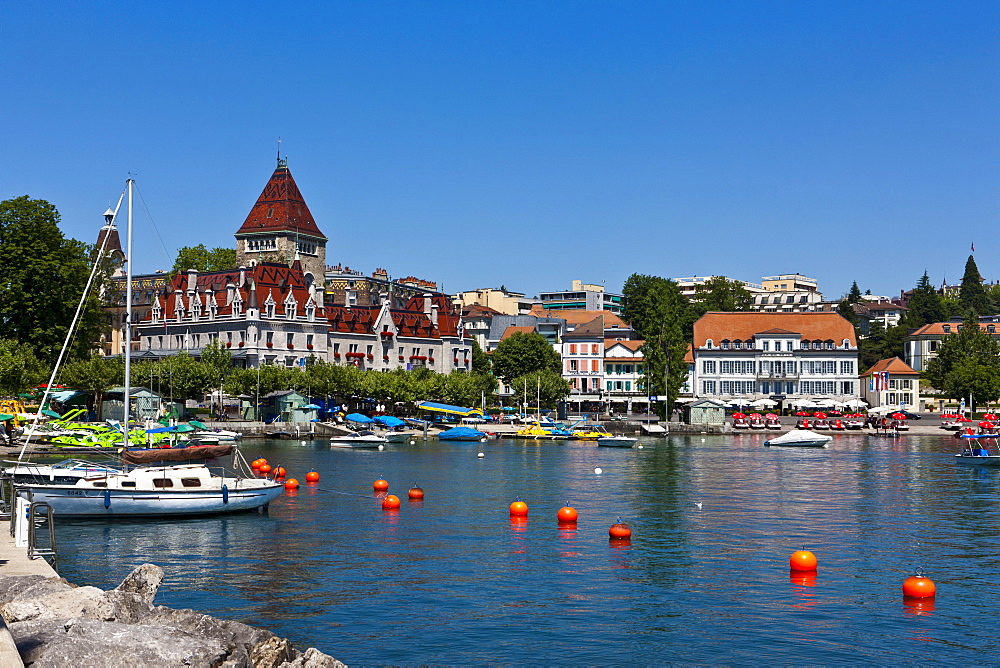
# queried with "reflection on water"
point(454, 580)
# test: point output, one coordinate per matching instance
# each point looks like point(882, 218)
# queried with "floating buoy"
point(280, 472)
point(919, 586)
point(415, 492)
point(264, 468)
point(412, 442)
point(312, 476)
point(598, 470)
point(380, 486)
point(390, 502)
point(640, 447)
point(519, 508)
point(620, 531)
point(802, 560)
point(291, 483)
point(567, 515)
point(257, 463)
point(381, 447)
point(481, 455)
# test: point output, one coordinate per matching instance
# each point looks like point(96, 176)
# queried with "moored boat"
point(357, 439)
point(800, 438)
point(771, 421)
point(461, 434)
point(616, 441)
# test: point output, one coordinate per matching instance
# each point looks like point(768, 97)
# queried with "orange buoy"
point(415, 493)
point(291, 483)
point(264, 468)
point(390, 502)
point(567, 515)
point(802, 560)
point(919, 586)
point(280, 472)
point(518, 508)
point(620, 531)
point(380, 486)
point(257, 463)
point(312, 476)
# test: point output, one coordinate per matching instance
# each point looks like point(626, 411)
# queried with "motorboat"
point(821, 423)
point(771, 421)
point(803, 423)
point(398, 436)
point(837, 425)
point(975, 451)
point(537, 431)
point(185, 489)
point(461, 434)
point(740, 421)
point(756, 421)
point(66, 472)
point(357, 439)
point(616, 441)
point(800, 438)
point(900, 425)
point(215, 436)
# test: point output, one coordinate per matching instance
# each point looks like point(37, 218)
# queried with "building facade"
point(745, 356)
point(891, 382)
point(922, 343)
point(583, 297)
point(499, 299)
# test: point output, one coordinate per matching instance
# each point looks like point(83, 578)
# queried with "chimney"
point(427, 303)
point(243, 276)
point(434, 314)
point(192, 279)
point(230, 293)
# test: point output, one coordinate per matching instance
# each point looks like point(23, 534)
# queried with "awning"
point(445, 408)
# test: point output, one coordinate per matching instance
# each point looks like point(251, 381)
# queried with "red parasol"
point(964, 419)
point(989, 416)
point(898, 416)
point(755, 416)
point(819, 415)
point(771, 416)
point(738, 416)
point(986, 425)
point(802, 414)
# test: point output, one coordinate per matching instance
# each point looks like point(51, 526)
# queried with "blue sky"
point(527, 143)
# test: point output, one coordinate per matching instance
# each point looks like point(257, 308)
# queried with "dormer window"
point(708, 344)
point(847, 343)
point(725, 344)
point(946, 329)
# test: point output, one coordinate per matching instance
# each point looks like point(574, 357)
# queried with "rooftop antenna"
point(279, 148)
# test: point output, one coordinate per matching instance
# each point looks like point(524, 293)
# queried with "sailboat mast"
point(128, 314)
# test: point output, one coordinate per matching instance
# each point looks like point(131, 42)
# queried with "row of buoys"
point(804, 562)
point(261, 466)
point(391, 501)
point(567, 516)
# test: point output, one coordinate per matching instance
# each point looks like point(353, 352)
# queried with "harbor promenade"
point(14, 561)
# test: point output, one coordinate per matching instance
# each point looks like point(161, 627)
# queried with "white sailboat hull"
point(79, 502)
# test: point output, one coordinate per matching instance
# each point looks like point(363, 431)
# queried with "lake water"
point(451, 580)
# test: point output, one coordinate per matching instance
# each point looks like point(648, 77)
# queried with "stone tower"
point(280, 228)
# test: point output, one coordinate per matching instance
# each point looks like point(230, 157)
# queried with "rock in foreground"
point(57, 624)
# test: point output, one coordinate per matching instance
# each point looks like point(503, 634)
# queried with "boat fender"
point(225, 493)
point(107, 498)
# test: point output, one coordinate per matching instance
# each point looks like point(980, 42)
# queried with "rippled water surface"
point(451, 580)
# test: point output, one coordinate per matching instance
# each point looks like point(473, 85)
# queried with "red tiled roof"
point(745, 325)
point(514, 330)
point(281, 208)
point(937, 328)
point(631, 344)
point(894, 366)
point(479, 311)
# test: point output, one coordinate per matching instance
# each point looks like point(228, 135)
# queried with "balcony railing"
point(777, 376)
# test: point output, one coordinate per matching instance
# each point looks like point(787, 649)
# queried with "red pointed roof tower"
point(280, 228)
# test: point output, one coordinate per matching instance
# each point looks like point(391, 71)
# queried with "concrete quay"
point(15, 561)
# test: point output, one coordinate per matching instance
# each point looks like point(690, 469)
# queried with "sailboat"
point(176, 489)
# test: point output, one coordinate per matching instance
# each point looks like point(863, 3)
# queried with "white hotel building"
point(788, 357)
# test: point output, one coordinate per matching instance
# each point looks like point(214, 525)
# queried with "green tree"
point(184, 377)
point(872, 348)
point(544, 385)
point(201, 258)
point(968, 362)
point(42, 279)
point(925, 304)
point(854, 294)
point(659, 313)
point(20, 370)
point(972, 294)
point(481, 362)
point(523, 353)
point(721, 294)
point(846, 310)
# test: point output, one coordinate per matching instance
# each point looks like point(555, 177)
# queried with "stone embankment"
point(54, 623)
